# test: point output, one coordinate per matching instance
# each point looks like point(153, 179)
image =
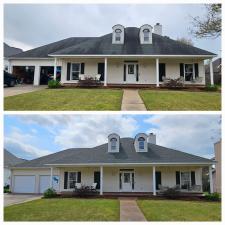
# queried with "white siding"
point(7, 176)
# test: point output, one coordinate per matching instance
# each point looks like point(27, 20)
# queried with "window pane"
point(185, 180)
point(113, 143)
point(75, 67)
point(126, 177)
point(117, 36)
point(141, 144)
point(189, 72)
point(130, 69)
point(75, 75)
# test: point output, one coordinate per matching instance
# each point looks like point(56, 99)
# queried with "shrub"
point(171, 193)
point(50, 193)
point(7, 189)
point(84, 191)
point(213, 197)
point(211, 88)
point(54, 84)
point(174, 83)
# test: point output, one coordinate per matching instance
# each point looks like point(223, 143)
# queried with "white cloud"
point(191, 133)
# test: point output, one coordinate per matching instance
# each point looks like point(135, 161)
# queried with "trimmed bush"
point(213, 197)
point(211, 88)
point(171, 193)
point(7, 189)
point(50, 193)
point(54, 84)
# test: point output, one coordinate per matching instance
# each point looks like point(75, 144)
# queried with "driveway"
point(12, 199)
point(21, 89)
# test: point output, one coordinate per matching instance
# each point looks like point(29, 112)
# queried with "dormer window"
point(141, 143)
point(113, 144)
point(146, 35)
point(118, 34)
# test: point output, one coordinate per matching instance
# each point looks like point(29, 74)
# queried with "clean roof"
point(11, 160)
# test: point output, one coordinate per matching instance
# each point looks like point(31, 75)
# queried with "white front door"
point(127, 181)
point(131, 73)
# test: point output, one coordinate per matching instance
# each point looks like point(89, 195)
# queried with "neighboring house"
point(9, 161)
point(127, 56)
point(122, 165)
point(217, 169)
point(217, 68)
point(9, 51)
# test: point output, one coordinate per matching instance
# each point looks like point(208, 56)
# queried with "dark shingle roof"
point(9, 51)
point(127, 154)
point(161, 45)
point(11, 160)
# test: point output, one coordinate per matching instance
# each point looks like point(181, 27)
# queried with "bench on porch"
point(89, 81)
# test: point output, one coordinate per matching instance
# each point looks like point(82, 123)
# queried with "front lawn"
point(67, 209)
point(171, 210)
point(180, 100)
point(66, 99)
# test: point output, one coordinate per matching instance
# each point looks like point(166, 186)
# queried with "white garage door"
point(44, 183)
point(24, 184)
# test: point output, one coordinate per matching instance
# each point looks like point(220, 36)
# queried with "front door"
point(131, 73)
point(127, 181)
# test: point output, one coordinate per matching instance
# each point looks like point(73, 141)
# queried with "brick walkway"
point(132, 101)
point(129, 210)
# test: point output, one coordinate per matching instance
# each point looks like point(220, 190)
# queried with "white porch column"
point(55, 67)
point(51, 176)
point(101, 180)
point(153, 180)
point(157, 72)
point(37, 75)
point(9, 67)
point(211, 72)
point(105, 72)
point(210, 179)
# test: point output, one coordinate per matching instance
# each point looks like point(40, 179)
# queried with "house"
point(9, 51)
point(127, 56)
point(122, 165)
point(217, 170)
point(217, 68)
point(9, 161)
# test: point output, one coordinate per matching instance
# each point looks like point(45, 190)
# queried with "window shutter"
point(196, 69)
point(137, 77)
point(181, 69)
point(79, 177)
point(82, 68)
point(132, 181)
point(68, 71)
point(124, 72)
point(120, 181)
point(177, 177)
point(192, 178)
point(65, 180)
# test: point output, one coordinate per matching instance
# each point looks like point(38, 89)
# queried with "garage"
point(24, 74)
point(24, 184)
point(44, 183)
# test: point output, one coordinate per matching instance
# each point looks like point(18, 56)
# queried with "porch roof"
point(127, 155)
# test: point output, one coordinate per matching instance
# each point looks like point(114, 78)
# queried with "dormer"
point(118, 34)
point(113, 143)
point(145, 34)
point(141, 142)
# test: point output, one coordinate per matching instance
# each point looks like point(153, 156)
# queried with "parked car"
point(9, 79)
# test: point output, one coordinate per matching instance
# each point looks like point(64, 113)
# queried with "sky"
point(31, 25)
point(32, 136)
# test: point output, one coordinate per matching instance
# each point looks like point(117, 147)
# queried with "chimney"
point(152, 138)
point(158, 29)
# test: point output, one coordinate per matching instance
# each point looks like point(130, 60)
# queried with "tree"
point(185, 41)
point(210, 26)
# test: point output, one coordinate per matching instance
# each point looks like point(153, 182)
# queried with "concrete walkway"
point(129, 210)
point(132, 101)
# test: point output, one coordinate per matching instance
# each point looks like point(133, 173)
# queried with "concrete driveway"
point(12, 199)
point(21, 89)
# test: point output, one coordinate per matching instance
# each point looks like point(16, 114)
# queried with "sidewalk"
point(132, 101)
point(129, 210)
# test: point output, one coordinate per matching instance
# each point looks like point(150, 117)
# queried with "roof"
point(9, 51)
point(11, 160)
point(127, 154)
point(161, 45)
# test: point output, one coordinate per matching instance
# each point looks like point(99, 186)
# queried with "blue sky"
point(31, 136)
point(31, 25)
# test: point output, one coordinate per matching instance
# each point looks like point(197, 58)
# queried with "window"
point(118, 35)
point(189, 72)
point(72, 179)
point(185, 180)
point(146, 35)
point(113, 143)
point(141, 143)
point(75, 71)
point(131, 69)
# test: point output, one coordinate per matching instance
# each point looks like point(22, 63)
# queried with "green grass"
point(171, 210)
point(67, 209)
point(180, 100)
point(66, 99)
